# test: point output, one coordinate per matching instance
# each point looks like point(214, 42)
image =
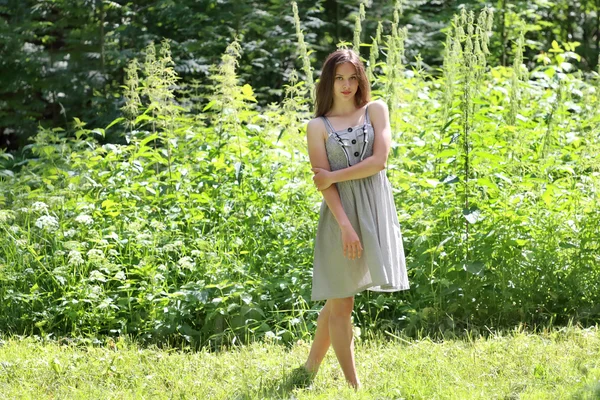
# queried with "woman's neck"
point(342, 109)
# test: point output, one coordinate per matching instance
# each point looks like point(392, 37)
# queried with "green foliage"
point(306, 65)
point(358, 27)
point(198, 228)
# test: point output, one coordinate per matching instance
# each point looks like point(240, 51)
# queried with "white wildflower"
point(120, 276)
point(21, 243)
point(105, 303)
point(86, 207)
point(135, 226)
point(6, 216)
point(69, 233)
point(60, 274)
point(62, 270)
point(75, 258)
point(112, 235)
point(95, 255)
point(59, 253)
point(96, 275)
point(173, 247)
point(186, 262)
point(102, 243)
point(159, 277)
point(47, 223)
point(196, 253)
point(84, 219)
point(159, 226)
point(56, 200)
point(162, 267)
point(95, 291)
point(169, 247)
point(144, 239)
point(113, 252)
point(14, 229)
point(115, 148)
point(39, 207)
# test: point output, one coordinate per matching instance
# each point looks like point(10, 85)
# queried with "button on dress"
point(369, 205)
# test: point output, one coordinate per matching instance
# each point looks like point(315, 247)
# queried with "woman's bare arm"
point(318, 158)
point(380, 119)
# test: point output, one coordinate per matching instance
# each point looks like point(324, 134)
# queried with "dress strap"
point(367, 120)
point(328, 125)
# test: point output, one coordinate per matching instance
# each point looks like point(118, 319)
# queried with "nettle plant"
point(185, 232)
point(494, 183)
point(198, 228)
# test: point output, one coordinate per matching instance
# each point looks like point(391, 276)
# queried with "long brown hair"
point(324, 90)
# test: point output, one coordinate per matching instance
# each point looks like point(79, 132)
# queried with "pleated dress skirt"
point(369, 205)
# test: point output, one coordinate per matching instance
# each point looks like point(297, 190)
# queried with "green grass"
point(562, 364)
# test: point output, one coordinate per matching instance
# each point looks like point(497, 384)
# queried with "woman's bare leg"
point(321, 343)
point(342, 338)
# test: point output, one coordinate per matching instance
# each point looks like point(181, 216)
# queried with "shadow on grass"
point(282, 387)
point(591, 391)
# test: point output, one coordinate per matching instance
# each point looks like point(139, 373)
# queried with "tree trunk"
point(503, 32)
point(338, 31)
point(597, 33)
point(102, 34)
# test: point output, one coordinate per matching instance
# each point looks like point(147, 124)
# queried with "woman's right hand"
point(351, 243)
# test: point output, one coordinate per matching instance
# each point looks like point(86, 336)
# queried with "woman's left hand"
point(323, 178)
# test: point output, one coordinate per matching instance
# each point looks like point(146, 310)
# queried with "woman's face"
point(346, 82)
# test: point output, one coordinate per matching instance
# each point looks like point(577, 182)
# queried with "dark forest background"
point(61, 59)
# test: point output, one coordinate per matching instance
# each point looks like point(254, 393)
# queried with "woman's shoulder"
point(378, 110)
point(316, 126)
point(316, 123)
point(378, 104)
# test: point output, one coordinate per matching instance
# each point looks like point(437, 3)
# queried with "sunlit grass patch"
point(560, 364)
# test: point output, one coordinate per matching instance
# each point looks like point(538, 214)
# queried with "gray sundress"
point(369, 205)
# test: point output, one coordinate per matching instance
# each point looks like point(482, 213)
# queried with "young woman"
point(358, 244)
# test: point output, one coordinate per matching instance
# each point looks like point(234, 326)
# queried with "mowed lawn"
point(561, 364)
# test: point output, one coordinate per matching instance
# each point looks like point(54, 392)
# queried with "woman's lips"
point(346, 93)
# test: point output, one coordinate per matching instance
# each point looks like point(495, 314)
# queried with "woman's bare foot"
point(312, 369)
point(355, 385)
